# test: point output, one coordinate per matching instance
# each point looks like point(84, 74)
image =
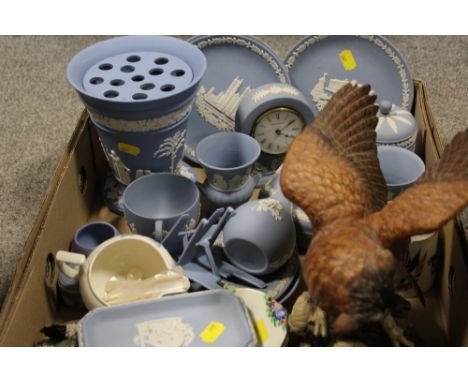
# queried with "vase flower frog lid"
point(396, 126)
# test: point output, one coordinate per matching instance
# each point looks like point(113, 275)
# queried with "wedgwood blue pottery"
point(218, 198)
point(147, 81)
point(228, 159)
point(272, 189)
point(260, 237)
point(112, 191)
point(401, 168)
point(278, 283)
point(396, 127)
point(85, 239)
point(200, 319)
point(154, 203)
point(320, 65)
point(90, 235)
point(198, 253)
point(421, 260)
point(292, 287)
point(304, 231)
point(133, 154)
point(235, 66)
point(69, 291)
point(274, 114)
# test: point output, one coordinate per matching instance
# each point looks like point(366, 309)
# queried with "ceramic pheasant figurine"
point(332, 172)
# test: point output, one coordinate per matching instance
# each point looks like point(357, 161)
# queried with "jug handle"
point(158, 230)
point(64, 257)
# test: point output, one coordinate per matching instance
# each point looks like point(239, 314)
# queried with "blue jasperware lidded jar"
point(396, 127)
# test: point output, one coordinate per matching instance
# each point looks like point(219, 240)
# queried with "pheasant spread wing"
point(331, 169)
point(436, 198)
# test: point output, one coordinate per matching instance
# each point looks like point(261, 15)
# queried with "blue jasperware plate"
point(320, 65)
point(235, 65)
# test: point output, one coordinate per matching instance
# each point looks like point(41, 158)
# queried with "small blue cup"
point(86, 238)
point(91, 235)
point(400, 167)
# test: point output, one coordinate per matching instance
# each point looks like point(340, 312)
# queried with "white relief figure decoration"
point(274, 90)
point(325, 88)
point(170, 331)
point(132, 227)
point(145, 124)
point(300, 215)
point(270, 205)
point(268, 168)
point(120, 171)
point(269, 189)
point(113, 191)
point(219, 183)
point(170, 147)
point(233, 184)
point(184, 171)
point(220, 110)
point(192, 223)
point(139, 173)
point(219, 242)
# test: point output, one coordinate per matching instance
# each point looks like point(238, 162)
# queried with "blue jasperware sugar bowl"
point(396, 127)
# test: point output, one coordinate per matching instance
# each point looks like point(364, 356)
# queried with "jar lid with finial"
point(396, 126)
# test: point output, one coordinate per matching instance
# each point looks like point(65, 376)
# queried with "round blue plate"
point(235, 64)
point(320, 65)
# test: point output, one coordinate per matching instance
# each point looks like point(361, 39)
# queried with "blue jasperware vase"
point(136, 83)
point(134, 154)
point(139, 92)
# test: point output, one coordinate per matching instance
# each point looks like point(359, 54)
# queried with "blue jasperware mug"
point(154, 203)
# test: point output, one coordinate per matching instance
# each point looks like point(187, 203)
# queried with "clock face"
point(276, 129)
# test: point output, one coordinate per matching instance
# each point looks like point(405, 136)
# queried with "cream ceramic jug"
point(116, 258)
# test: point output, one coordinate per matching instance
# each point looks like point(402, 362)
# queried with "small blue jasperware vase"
point(228, 159)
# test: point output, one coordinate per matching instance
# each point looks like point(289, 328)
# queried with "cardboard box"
point(73, 198)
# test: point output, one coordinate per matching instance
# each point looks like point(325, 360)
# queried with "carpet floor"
point(39, 111)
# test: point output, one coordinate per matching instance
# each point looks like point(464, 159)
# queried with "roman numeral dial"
point(276, 129)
